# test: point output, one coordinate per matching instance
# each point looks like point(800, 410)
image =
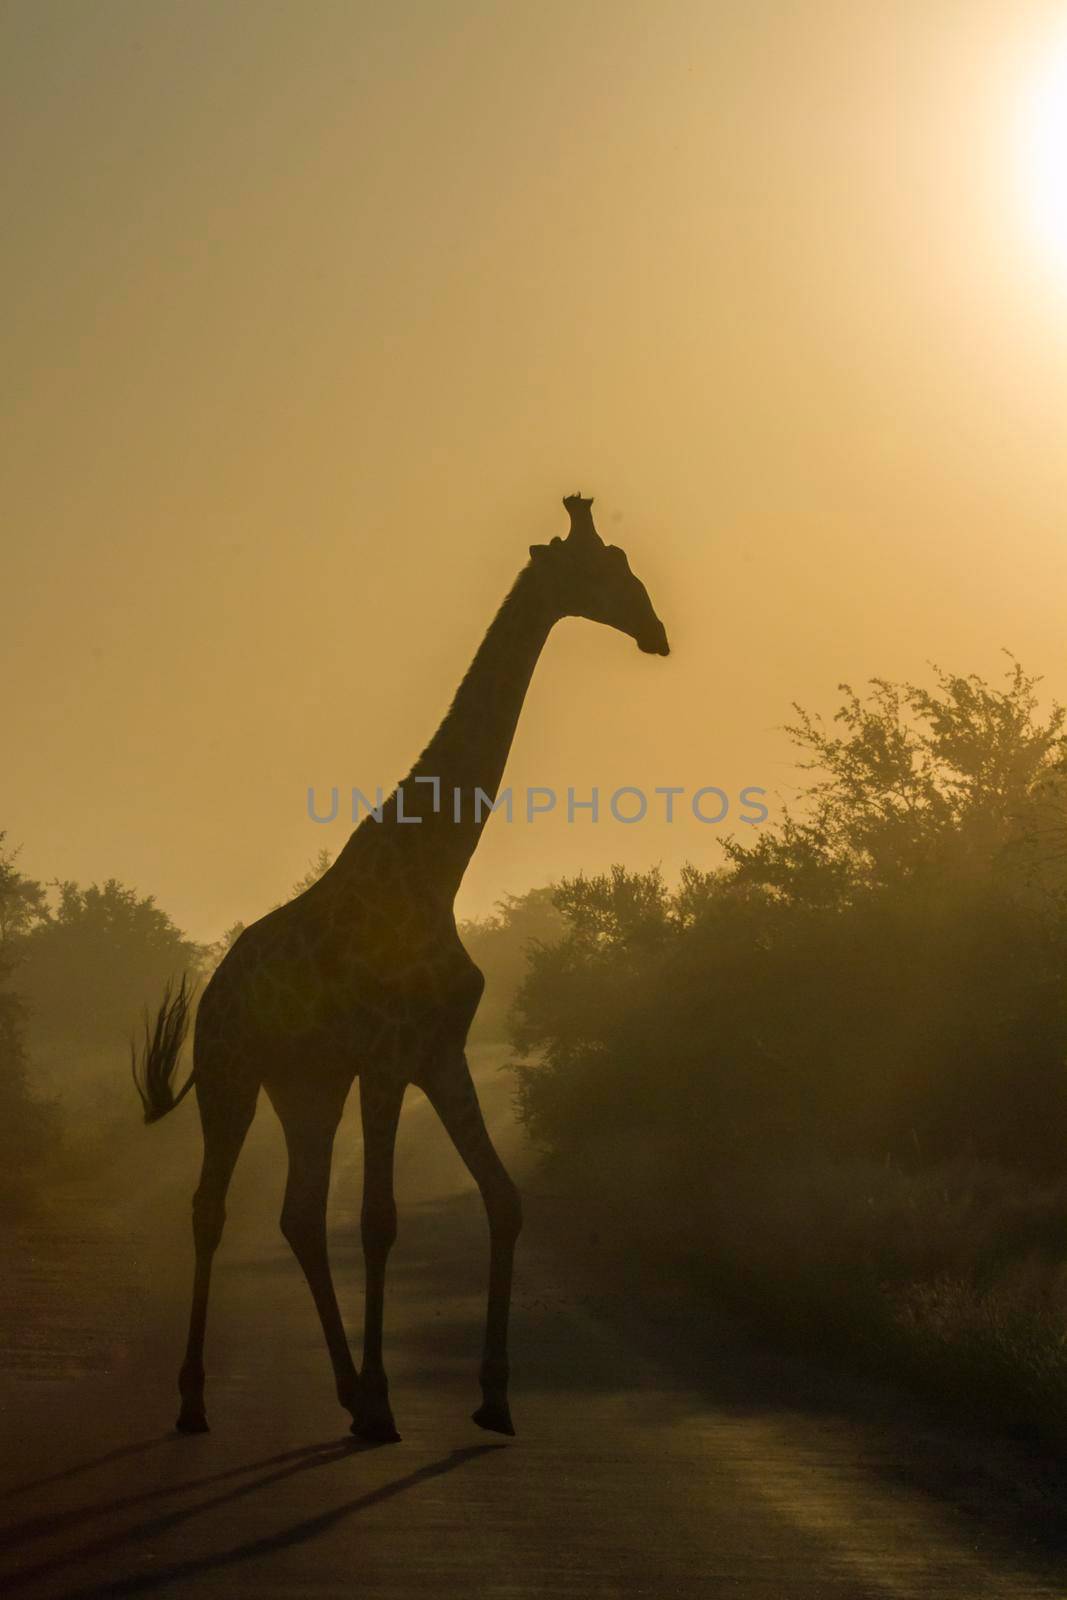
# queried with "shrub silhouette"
point(27, 1123)
point(882, 975)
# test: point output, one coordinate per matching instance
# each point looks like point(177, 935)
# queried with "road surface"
point(622, 1480)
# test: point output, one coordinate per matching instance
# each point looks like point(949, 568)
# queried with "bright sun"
point(1044, 153)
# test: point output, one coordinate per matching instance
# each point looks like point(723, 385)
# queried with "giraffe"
point(364, 975)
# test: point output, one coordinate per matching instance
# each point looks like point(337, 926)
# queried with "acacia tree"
point(909, 780)
point(883, 973)
point(94, 960)
point(26, 1122)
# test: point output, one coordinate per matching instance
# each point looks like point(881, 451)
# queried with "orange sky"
point(316, 310)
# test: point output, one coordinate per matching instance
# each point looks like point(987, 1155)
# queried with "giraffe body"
point(364, 975)
point(366, 966)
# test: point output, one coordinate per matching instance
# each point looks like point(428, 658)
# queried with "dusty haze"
point(315, 311)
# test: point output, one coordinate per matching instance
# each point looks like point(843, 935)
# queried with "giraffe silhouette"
point(364, 975)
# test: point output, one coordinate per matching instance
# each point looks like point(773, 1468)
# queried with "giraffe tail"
point(153, 1070)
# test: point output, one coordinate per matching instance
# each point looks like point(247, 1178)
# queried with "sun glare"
point(1044, 154)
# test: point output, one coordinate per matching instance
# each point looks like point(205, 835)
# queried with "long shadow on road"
point(79, 1467)
point(51, 1523)
point(281, 1538)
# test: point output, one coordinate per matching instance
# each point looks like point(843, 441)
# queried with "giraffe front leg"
point(303, 1222)
point(454, 1098)
point(504, 1211)
point(380, 1103)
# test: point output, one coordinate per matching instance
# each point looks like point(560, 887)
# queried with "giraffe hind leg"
point(225, 1120)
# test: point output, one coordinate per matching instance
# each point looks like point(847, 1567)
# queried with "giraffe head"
point(591, 579)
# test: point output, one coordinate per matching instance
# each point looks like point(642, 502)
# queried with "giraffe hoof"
point(192, 1422)
point(495, 1417)
point(376, 1430)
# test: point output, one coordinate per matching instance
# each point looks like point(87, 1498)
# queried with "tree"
point(882, 974)
point(27, 1124)
point(23, 902)
point(500, 944)
point(912, 781)
point(95, 960)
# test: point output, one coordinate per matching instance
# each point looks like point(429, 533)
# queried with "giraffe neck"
point(468, 752)
point(470, 748)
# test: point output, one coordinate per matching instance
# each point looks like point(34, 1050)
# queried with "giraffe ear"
point(539, 551)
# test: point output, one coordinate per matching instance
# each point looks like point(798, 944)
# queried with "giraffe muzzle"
point(654, 643)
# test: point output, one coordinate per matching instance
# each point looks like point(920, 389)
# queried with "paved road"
point(620, 1482)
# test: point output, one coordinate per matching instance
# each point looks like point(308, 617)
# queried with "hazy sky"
point(315, 310)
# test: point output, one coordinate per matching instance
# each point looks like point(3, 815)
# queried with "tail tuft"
point(153, 1074)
